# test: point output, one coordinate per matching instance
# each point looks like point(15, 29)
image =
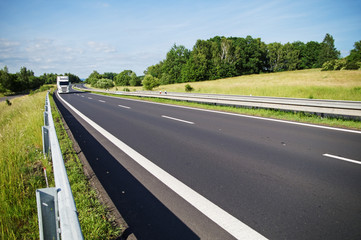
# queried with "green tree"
point(149, 82)
point(155, 70)
point(73, 78)
point(172, 66)
point(291, 57)
point(223, 58)
point(134, 80)
point(309, 55)
point(354, 59)
point(109, 75)
point(276, 57)
point(199, 66)
point(104, 83)
point(251, 55)
point(49, 78)
point(328, 51)
point(5, 79)
point(93, 78)
point(123, 78)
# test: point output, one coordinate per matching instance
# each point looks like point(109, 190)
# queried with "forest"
point(221, 57)
point(25, 80)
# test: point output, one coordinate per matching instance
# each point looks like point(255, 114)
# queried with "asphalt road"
point(271, 175)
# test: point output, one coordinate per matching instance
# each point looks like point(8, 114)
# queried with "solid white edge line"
point(341, 158)
point(177, 119)
point(122, 106)
point(225, 220)
point(246, 116)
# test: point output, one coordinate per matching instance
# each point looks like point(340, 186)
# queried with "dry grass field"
point(313, 83)
point(310, 83)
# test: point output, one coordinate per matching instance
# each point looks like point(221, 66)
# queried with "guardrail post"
point(46, 119)
point(46, 141)
point(47, 203)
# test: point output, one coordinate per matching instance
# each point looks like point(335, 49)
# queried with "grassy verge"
point(268, 113)
point(21, 163)
point(21, 173)
point(93, 217)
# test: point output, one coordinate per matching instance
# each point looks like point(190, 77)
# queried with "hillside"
point(312, 83)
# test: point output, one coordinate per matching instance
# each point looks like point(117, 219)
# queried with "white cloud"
point(101, 47)
point(80, 58)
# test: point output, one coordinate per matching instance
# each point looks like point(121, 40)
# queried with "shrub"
point(149, 82)
point(188, 88)
point(103, 83)
point(8, 102)
point(340, 64)
point(352, 65)
point(334, 65)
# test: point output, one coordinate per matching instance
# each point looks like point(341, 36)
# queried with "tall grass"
point(21, 163)
point(21, 173)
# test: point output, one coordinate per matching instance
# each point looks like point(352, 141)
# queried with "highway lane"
point(270, 175)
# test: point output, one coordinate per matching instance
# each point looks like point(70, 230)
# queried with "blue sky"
point(110, 36)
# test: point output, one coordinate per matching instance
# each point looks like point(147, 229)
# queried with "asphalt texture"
point(270, 175)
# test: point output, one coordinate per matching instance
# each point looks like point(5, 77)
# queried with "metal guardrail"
point(56, 206)
point(350, 109)
point(335, 108)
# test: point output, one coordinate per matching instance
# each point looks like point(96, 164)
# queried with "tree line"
point(25, 80)
point(110, 79)
point(221, 57)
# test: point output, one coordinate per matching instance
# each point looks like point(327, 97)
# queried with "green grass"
point(21, 164)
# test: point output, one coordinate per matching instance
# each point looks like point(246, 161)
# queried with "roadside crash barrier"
point(57, 214)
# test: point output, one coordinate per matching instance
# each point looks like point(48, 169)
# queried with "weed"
point(188, 88)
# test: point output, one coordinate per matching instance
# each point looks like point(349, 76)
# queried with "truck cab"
point(63, 84)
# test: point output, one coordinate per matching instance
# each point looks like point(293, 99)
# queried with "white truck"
point(63, 84)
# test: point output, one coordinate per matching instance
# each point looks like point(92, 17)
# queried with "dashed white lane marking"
point(225, 220)
point(247, 116)
point(101, 101)
point(124, 106)
point(90, 98)
point(177, 119)
point(341, 158)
